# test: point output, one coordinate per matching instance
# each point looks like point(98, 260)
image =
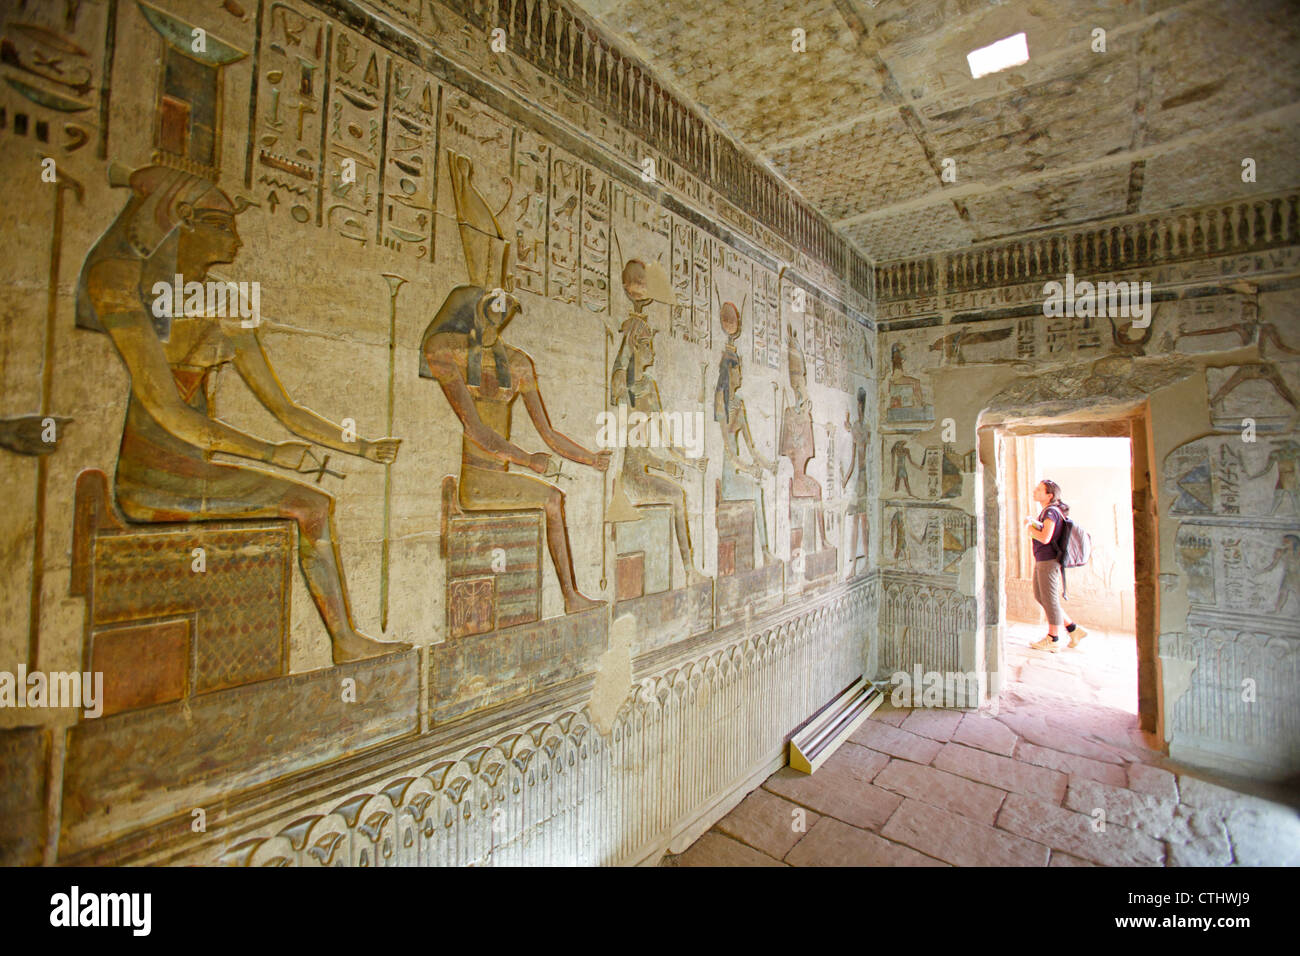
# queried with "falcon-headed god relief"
point(481, 376)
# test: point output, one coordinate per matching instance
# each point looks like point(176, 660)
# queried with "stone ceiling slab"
point(873, 163)
point(1070, 118)
point(1223, 64)
point(912, 232)
point(860, 123)
point(1209, 169)
point(1094, 194)
point(735, 60)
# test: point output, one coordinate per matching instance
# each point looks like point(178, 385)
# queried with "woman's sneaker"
point(1048, 643)
point(1077, 635)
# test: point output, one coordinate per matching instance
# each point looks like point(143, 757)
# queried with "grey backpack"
point(1074, 547)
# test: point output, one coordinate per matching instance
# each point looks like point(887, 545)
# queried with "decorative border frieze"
point(1210, 242)
point(921, 622)
point(1240, 696)
point(553, 790)
point(572, 50)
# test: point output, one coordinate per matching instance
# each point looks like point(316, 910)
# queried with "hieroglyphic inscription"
point(564, 225)
point(531, 172)
point(287, 146)
point(594, 254)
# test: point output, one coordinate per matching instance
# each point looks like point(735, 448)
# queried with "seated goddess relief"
point(179, 224)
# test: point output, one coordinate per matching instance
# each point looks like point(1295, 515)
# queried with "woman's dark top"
point(1047, 551)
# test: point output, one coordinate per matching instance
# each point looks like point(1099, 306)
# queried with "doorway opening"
point(1095, 477)
point(1114, 598)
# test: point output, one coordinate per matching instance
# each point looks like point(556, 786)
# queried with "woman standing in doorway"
point(1046, 531)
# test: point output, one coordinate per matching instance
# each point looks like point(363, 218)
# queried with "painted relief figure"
point(907, 403)
point(1289, 557)
point(898, 539)
point(859, 505)
point(1261, 333)
point(481, 376)
point(632, 383)
point(901, 456)
point(740, 481)
point(797, 442)
point(179, 224)
point(1286, 455)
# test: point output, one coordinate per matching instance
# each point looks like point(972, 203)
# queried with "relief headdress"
point(642, 283)
point(146, 229)
point(487, 255)
point(464, 312)
point(487, 251)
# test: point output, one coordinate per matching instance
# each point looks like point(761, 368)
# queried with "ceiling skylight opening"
point(1002, 55)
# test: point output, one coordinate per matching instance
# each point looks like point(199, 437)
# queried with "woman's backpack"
point(1074, 546)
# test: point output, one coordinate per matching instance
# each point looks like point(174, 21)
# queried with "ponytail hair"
point(1054, 490)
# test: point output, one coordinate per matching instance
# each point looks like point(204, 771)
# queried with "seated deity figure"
point(177, 224)
point(649, 475)
point(740, 481)
point(481, 376)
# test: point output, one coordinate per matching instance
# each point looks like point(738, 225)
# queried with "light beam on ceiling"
point(1002, 55)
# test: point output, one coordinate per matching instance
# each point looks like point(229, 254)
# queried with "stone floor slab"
point(889, 715)
point(714, 849)
point(896, 742)
point(935, 724)
point(959, 840)
point(1064, 859)
point(1195, 838)
point(1074, 833)
point(768, 823)
point(832, 843)
point(986, 733)
point(1265, 836)
point(1153, 780)
point(1035, 729)
point(1204, 795)
point(1121, 805)
point(836, 792)
point(1068, 763)
point(1002, 772)
point(941, 789)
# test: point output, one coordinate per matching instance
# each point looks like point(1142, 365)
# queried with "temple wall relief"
point(1209, 393)
point(369, 394)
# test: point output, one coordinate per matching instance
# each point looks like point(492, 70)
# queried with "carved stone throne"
point(735, 522)
point(177, 610)
point(494, 565)
point(805, 514)
point(644, 552)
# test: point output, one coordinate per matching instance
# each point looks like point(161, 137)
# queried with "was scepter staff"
point(395, 283)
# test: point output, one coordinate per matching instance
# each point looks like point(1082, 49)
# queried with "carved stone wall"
point(552, 790)
point(444, 255)
point(1209, 391)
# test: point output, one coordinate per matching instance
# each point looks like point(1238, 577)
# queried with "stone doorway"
point(1115, 666)
point(1094, 474)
